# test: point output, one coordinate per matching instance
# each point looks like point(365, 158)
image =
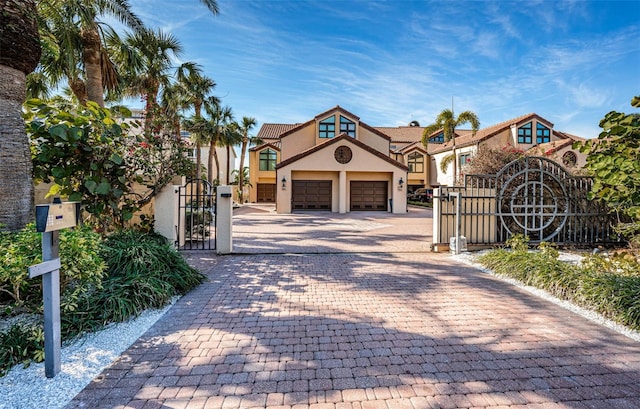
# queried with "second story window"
point(524, 133)
point(543, 134)
point(415, 161)
point(347, 126)
point(439, 138)
point(464, 159)
point(327, 127)
point(268, 159)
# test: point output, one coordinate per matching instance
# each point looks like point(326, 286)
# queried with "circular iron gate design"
point(533, 200)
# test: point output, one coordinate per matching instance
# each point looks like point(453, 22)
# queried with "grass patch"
point(609, 285)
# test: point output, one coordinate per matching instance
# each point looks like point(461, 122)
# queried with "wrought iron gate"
point(533, 196)
point(197, 216)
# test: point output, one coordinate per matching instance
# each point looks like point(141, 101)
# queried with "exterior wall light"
point(400, 183)
point(284, 183)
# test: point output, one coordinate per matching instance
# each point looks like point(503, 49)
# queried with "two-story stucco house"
point(333, 162)
point(336, 162)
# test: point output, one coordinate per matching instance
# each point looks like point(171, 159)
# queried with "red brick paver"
point(367, 331)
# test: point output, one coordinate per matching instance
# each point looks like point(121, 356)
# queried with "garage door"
point(369, 195)
point(266, 193)
point(311, 195)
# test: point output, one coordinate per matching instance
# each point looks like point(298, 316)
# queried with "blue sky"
point(392, 62)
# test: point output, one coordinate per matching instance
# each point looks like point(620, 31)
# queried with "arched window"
point(569, 159)
point(415, 161)
point(268, 159)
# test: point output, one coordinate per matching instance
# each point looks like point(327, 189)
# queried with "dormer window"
point(327, 127)
point(543, 134)
point(267, 160)
point(524, 133)
point(439, 138)
point(415, 161)
point(347, 126)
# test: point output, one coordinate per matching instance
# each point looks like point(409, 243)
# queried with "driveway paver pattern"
point(366, 330)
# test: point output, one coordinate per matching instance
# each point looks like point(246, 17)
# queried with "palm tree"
point(19, 55)
point(231, 136)
point(196, 90)
point(146, 58)
point(78, 20)
point(447, 122)
point(220, 119)
point(245, 127)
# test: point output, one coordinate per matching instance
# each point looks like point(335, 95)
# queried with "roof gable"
point(341, 138)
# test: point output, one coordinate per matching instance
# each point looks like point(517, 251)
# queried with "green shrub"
point(102, 281)
point(82, 267)
point(21, 343)
point(143, 272)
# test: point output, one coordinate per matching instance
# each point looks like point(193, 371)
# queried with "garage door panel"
point(369, 195)
point(266, 193)
point(311, 195)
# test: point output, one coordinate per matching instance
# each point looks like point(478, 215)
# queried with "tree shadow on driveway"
point(394, 329)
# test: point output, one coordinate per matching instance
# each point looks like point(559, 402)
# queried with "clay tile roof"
point(273, 131)
point(466, 137)
point(402, 134)
point(272, 144)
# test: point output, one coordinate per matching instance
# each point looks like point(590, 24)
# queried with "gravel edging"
point(470, 259)
point(81, 361)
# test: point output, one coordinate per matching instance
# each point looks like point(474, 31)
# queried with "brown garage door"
point(311, 195)
point(368, 195)
point(266, 193)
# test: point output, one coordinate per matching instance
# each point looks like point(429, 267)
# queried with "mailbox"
point(57, 216)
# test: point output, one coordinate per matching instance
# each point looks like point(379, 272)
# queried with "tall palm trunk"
point(245, 143)
point(228, 175)
point(213, 158)
point(19, 55)
point(455, 160)
point(92, 63)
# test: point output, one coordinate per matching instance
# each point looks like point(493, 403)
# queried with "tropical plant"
point(447, 122)
point(196, 91)
point(80, 42)
point(19, 55)
point(220, 120)
point(146, 57)
point(88, 154)
point(245, 128)
point(613, 162)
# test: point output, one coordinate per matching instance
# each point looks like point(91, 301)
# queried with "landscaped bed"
point(103, 281)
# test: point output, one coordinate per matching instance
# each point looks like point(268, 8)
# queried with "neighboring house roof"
point(402, 134)
point(339, 138)
point(415, 146)
point(274, 145)
point(466, 137)
point(274, 131)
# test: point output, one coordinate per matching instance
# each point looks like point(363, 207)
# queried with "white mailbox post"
point(49, 219)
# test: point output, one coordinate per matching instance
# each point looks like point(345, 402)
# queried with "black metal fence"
point(197, 216)
point(533, 196)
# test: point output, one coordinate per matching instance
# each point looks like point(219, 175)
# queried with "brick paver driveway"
point(381, 329)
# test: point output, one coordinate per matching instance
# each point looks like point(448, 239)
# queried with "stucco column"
point(224, 213)
point(342, 192)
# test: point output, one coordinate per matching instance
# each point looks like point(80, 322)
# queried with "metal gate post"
point(456, 197)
